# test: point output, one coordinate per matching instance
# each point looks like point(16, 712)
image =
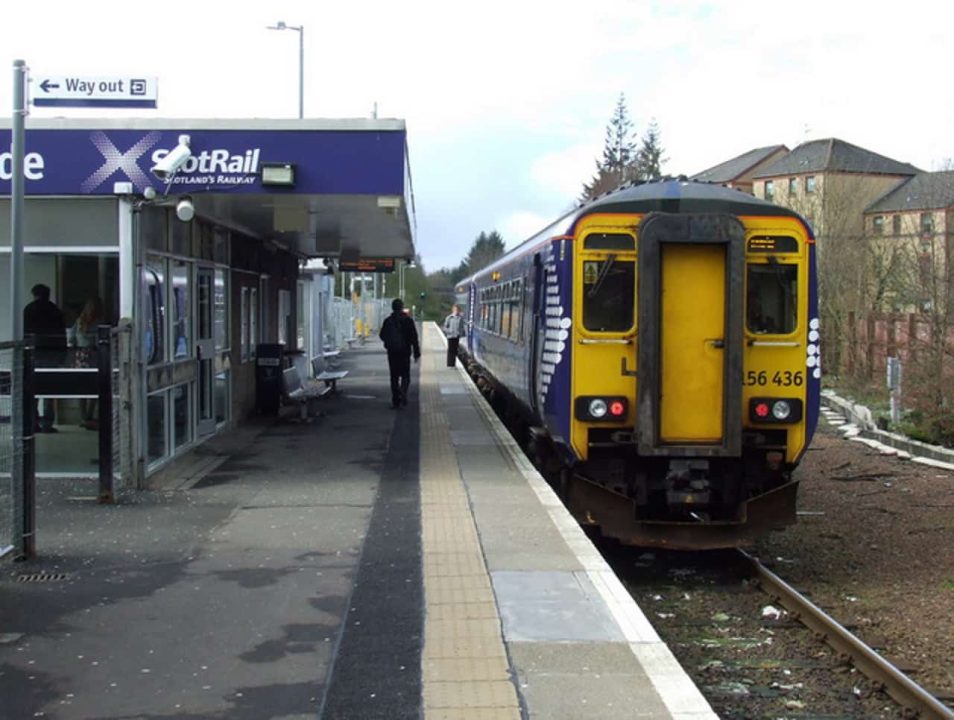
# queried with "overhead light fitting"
point(278, 174)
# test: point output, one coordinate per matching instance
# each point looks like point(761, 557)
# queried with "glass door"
point(205, 350)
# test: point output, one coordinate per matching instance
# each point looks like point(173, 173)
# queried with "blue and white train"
point(658, 351)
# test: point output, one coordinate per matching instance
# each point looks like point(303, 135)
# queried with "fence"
point(356, 321)
point(17, 488)
point(874, 338)
point(116, 395)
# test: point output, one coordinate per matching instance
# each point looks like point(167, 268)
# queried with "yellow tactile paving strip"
point(465, 669)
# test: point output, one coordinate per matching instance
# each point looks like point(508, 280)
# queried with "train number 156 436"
point(780, 378)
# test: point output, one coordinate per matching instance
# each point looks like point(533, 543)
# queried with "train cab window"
point(609, 289)
point(771, 307)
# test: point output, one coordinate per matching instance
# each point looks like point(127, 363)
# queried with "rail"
point(898, 685)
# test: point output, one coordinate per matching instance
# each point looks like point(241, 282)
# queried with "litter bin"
point(268, 378)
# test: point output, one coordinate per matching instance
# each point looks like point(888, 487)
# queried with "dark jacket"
point(44, 319)
point(405, 339)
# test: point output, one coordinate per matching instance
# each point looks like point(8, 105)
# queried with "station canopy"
point(324, 188)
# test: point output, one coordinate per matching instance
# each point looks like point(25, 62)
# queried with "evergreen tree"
point(619, 154)
point(649, 157)
point(487, 247)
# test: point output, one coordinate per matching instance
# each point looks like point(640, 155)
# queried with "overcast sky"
point(507, 101)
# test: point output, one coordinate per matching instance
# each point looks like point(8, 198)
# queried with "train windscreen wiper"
point(604, 271)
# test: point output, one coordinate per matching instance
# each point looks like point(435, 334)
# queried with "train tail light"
point(601, 409)
point(775, 410)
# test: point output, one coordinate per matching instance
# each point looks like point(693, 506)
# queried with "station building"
point(196, 267)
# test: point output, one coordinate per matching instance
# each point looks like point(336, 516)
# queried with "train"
point(657, 352)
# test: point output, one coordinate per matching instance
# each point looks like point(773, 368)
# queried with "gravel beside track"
point(874, 548)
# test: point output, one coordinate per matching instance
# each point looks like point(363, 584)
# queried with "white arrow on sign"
point(75, 91)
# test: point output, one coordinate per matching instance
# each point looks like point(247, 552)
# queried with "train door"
point(537, 333)
point(690, 299)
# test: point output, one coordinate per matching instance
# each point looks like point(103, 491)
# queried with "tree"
point(649, 157)
point(619, 155)
point(487, 247)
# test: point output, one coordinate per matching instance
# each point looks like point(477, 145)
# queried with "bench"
point(330, 358)
point(295, 392)
point(330, 378)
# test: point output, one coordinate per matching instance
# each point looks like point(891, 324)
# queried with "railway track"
point(756, 647)
point(895, 683)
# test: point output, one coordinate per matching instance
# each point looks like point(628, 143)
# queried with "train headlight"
point(781, 410)
point(775, 410)
point(599, 408)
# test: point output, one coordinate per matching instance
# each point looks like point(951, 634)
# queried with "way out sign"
point(76, 91)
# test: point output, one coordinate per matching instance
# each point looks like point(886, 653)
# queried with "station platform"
point(366, 563)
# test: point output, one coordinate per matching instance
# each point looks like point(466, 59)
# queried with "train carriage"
point(658, 350)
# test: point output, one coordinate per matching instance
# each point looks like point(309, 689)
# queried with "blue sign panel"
point(89, 162)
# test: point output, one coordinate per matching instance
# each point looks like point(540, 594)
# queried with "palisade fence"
point(16, 450)
point(910, 337)
point(357, 321)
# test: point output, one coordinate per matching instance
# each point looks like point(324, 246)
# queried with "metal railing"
point(17, 461)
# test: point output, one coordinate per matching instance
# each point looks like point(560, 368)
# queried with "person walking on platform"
point(399, 335)
point(454, 331)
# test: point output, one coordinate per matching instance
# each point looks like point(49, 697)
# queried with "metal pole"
point(301, 72)
point(25, 464)
point(16, 200)
point(21, 413)
point(104, 376)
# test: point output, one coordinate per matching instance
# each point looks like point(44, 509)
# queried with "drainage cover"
point(42, 577)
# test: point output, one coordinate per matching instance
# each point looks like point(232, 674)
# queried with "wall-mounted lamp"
point(185, 210)
point(278, 174)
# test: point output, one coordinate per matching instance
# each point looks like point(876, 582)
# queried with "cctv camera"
point(185, 210)
point(173, 161)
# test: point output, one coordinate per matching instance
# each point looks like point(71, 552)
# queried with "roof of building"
point(834, 155)
point(925, 191)
point(737, 166)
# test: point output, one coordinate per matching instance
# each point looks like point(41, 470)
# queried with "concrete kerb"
point(863, 428)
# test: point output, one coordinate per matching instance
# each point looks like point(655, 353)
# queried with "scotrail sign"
point(75, 91)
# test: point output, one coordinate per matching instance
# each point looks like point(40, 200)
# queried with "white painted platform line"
point(675, 688)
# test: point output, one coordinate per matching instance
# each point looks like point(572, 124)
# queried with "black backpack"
point(393, 335)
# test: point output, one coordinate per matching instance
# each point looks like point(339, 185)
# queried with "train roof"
point(669, 196)
point(681, 196)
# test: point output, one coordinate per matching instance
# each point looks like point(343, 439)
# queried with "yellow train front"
point(672, 360)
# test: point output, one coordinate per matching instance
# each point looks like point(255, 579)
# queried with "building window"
point(253, 338)
point(896, 224)
point(810, 184)
point(245, 324)
point(878, 224)
point(927, 223)
point(769, 189)
point(792, 186)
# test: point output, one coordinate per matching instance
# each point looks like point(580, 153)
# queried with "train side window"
point(771, 298)
point(609, 288)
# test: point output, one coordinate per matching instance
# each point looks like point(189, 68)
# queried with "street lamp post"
point(300, 29)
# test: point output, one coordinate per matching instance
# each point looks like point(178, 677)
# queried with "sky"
point(506, 102)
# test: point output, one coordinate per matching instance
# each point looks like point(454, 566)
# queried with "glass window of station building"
point(72, 248)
